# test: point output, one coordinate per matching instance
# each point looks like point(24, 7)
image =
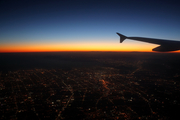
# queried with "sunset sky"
point(85, 25)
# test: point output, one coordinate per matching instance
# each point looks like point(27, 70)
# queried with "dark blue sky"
point(67, 21)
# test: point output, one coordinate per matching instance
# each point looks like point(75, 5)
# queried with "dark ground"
point(89, 85)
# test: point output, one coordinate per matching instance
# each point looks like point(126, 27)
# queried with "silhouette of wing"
point(165, 45)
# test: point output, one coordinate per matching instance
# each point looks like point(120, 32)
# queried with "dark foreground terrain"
point(90, 85)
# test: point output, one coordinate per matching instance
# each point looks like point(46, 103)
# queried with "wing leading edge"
point(165, 45)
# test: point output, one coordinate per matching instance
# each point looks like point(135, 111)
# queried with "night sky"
point(85, 25)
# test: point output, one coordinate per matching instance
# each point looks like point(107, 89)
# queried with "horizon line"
point(85, 51)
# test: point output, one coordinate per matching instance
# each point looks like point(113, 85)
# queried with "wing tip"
point(122, 37)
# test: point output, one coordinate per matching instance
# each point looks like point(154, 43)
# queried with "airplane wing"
point(165, 45)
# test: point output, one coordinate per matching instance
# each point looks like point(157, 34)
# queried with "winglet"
point(122, 37)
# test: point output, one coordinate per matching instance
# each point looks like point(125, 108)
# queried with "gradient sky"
point(85, 25)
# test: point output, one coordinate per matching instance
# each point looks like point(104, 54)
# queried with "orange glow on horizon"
point(76, 47)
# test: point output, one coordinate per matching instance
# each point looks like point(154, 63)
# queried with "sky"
point(85, 25)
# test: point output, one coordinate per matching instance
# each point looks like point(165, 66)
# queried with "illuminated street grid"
point(89, 93)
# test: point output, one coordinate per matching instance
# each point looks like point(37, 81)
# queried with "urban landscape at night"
point(119, 87)
point(89, 59)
